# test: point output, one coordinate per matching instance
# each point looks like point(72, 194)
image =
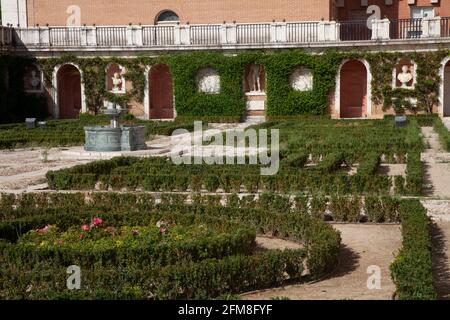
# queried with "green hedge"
point(105, 276)
point(414, 174)
point(412, 270)
point(444, 134)
point(145, 247)
point(282, 99)
point(229, 103)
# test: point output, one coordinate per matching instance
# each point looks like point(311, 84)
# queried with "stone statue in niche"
point(117, 82)
point(33, 79)
point(405, 77)
point(254, 78)
point(208, 81)
point(302, 79)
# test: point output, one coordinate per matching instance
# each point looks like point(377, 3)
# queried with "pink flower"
point(85, 227)
point(44, 230)
point(96, 222)
point(81, 236)
point(163, 230)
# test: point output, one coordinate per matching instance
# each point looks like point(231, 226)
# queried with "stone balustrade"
point(227, 34)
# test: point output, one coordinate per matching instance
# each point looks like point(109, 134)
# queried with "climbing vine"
point(229, 104)
point(94, 78)
point(426, 89)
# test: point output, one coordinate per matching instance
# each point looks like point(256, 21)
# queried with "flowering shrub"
point(160, 244)
point(146, 251)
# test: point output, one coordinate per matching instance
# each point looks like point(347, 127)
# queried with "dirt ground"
point(25, 169)
point(272, 243)
point(364, 245)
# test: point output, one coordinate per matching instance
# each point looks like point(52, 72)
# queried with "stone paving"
point(24, 170)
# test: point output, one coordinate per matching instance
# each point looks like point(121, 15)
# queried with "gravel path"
point(364, 245)
point(437, 166)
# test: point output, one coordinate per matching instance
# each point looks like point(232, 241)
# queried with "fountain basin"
point(133, 138)
point(110, 139)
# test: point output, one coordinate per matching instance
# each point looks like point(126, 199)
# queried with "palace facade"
point(45, 29)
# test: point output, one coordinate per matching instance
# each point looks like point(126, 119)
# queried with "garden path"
point(364, 245)
point(437, 166)
point(437, 180)
point(24, 170)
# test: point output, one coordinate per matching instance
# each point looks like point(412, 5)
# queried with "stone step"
point(255, 119)
point(256, 113)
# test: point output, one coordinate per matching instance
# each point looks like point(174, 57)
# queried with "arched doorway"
point(161, 92)
point(69, 91)
point(353, 90)
point(446, 90)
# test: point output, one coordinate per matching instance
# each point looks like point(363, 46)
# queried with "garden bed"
point(133, 248)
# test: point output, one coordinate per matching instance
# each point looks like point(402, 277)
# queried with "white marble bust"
point(35, 82)
point(117, 82)
point(302, 79)
point(405, 77)
point(208, 81)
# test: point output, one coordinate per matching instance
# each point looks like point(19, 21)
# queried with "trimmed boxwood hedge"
point(412, 269)
point(206, 278)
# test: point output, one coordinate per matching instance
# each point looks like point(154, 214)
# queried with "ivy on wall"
point(426, 90)
point(282, 99)
point(15, 103)
point(229, 103)
point(94, 78)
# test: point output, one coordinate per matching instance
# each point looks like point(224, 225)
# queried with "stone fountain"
point(115, 137)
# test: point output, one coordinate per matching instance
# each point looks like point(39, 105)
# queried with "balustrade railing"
point(226, 34)
point(253, 33)
point(445, 27)
point(302, 32)
point(354, 31)
point(406, 29)
point(65, 37)
point(158, 36)
point(6, 36)
point(205, 34)
point(111, 36)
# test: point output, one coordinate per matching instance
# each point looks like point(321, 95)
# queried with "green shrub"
point(414, 174)
point(444, 134)
point(412, 269)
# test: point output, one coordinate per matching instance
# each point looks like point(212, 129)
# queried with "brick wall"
point(400, 9)
point(122, 12)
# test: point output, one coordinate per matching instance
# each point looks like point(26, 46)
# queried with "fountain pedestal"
point(114, 137)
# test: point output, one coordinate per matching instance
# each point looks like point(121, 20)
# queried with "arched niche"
point(115, 78)
point(69, 91)
point(404, 74)
point(33, 79)
point(254, 79)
